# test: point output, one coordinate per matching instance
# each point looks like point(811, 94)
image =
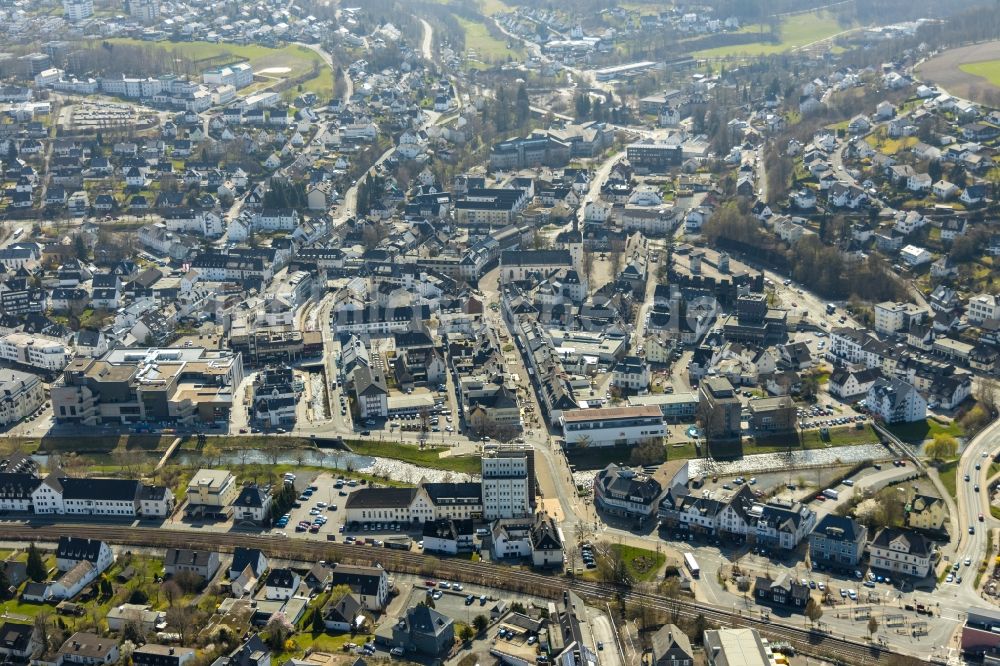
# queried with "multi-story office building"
point(508, 482)
point(183, 385)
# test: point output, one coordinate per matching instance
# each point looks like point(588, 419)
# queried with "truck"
point(831, 493)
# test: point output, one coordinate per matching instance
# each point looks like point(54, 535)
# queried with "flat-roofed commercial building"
point(676, 407)
point(647, 156)
point(736, 647)
point(182, 385)
point(612, 426)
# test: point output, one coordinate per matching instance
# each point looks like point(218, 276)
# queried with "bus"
point(692, 565)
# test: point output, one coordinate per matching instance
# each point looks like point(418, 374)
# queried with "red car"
point(821, 498)
point(430, 583)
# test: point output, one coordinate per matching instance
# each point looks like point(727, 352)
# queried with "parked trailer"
point(398, 543)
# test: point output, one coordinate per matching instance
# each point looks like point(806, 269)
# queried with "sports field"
point(969, 72)
point(287, 62)
point(796, 32)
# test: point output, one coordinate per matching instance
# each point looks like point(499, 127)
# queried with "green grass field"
point(484, 47)
point(599, 457)
point(987, 69)
point(796, 31)
point(948, 473)
point(641, 564)
point(429, 457)
point(891, 146)
point(920, 431)
point(811, 439)
point(298, 59)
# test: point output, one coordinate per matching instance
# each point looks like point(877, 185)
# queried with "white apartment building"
point(238, 76)
point(285, 219)
point(144, 11)
point(984, 307)
point(21, 393)
point(507, 483)
point(896, 401)
point(77, 10)
point(612, 426)
point(892, 317)
point(34, 350)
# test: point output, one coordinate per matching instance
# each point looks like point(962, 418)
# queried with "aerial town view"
point(499, 332)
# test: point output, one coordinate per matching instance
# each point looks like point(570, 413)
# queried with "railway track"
point(807, 641)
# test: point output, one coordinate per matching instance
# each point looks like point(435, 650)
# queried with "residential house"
point(343, 614)
point(902, 552)
point(670, 646)
point(369, 584)
point(86, 649)
point(252, 652)
point(252, 505)
point(243, 557)
point(781, 524)
point(153, 654)
point(281, 584)
point(547, 550)
point(421, 630)
point(626, 493)
point(73, 550)
point(203, 563)
point(783, 591)
point(448, 536)
point(852, 383)
point(18, 641)
point(926, 512)
point(838, 542)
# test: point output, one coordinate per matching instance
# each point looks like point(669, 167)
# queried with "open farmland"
point(485, 49)
point(972, 72)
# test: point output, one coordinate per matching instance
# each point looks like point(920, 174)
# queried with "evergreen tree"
point(36, 567)
point(522, 106)
point(318, 626)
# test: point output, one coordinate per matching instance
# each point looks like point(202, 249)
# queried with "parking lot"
point(320, 504)
point(441, 417)
point(319, 514)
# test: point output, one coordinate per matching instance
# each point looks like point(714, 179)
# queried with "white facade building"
point(78, 10)
point(984, 307)
point(34, 350)
point(21, 394)
point(507, 483)
point(902, 552)
point(612, 426)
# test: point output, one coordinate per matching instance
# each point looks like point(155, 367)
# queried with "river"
point(333, 459)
